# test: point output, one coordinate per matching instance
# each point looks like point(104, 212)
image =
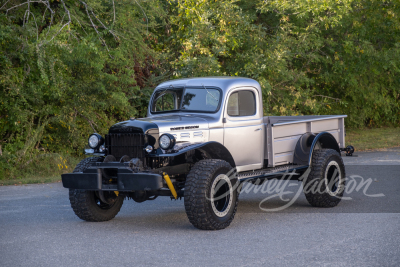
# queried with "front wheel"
point(211, 196)
point(324, 187)
point(89, 206)
point(94, 206)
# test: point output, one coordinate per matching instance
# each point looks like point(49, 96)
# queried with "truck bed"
point(283, 132)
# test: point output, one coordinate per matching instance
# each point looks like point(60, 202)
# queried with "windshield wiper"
point(209, 92)
point(162, 92)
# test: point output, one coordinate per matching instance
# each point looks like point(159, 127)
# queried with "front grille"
point(128, 144)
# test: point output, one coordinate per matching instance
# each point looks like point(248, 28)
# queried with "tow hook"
point(170, 185)
point(349, 150)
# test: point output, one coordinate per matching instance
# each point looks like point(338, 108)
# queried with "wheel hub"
point(105, 199)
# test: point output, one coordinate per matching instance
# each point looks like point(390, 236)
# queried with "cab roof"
point(225, 83)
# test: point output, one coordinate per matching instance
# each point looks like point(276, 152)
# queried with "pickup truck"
point(201, 140)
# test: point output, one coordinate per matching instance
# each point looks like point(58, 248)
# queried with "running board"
point(294, 172)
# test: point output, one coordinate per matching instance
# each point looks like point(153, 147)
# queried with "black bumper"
point(92, 179)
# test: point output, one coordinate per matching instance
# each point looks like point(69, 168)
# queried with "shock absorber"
point(170, 185)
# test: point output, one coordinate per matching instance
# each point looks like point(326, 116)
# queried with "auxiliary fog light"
point(148, 148)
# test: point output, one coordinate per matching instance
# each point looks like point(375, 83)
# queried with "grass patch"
point(373, 138)
point(31, 180)
point(39, 168)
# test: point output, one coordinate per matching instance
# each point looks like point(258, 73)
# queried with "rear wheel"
point(210, 195)
point(94, 206)
point(324, 187)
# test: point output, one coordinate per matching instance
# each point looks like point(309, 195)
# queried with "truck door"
point(244, 128)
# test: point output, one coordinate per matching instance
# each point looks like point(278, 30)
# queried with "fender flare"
point(307, 144)
point(210, 150)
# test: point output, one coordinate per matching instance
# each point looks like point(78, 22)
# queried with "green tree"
point(69, 68)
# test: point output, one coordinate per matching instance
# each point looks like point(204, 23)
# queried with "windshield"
point(186, 99)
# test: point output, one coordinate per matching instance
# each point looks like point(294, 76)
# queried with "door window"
point(242, 103)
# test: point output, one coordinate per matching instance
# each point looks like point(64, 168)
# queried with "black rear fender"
point(309, 142)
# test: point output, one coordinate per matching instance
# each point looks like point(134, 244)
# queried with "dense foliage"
point(68, 68)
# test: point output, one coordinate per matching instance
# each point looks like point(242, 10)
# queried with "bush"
point(69, 68)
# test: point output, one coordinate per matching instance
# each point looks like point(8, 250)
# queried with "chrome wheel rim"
point(221, 195)
point(333, 179)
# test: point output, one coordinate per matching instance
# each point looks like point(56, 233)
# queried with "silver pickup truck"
point(201, 140)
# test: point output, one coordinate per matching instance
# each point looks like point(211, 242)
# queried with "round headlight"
point(167, 141)
point(95, 140)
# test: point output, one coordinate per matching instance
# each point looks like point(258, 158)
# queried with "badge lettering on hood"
point(184, 128)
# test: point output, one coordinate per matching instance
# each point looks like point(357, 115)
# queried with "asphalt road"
point(38, 228)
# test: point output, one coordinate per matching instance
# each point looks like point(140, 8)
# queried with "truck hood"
point(133, 126)
point(177, 123)
point(185, 128)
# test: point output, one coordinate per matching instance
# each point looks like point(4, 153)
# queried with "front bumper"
point(126, 180)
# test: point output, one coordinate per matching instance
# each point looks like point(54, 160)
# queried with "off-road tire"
point(198, 187)
point(87, 205)
point(316, 186)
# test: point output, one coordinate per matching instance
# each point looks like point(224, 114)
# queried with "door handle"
point(259, 129)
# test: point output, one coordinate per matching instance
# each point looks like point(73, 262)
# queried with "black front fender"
point(197, 151)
